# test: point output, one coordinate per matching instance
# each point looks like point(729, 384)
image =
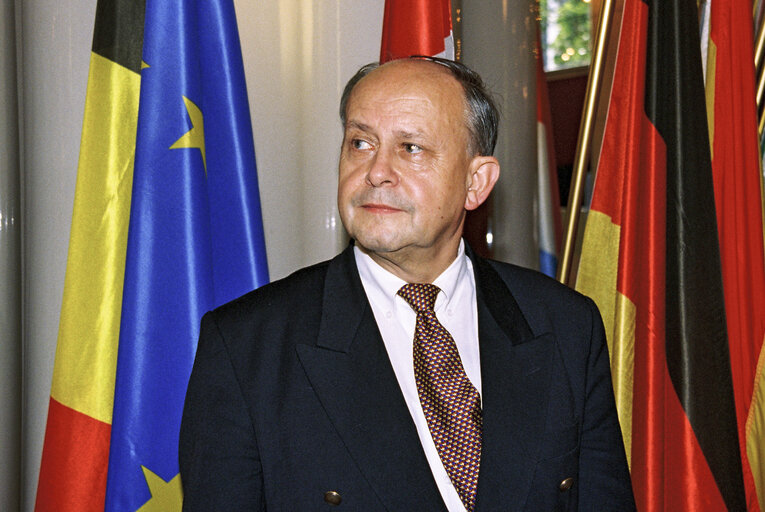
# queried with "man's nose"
point(381, 172)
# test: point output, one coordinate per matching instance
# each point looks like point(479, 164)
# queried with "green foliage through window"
point(566, 33)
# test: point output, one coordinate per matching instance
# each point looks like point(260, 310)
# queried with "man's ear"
point(483, 174)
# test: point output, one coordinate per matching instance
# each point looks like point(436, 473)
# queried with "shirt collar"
point(381, 285)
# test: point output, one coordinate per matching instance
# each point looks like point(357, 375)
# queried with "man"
point(310, 392)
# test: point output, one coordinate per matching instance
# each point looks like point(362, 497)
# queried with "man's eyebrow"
point(357, 125)
point(403, 134)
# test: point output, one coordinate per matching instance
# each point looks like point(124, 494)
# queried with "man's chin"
point(377, 246)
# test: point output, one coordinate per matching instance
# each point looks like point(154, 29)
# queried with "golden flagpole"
point(761, 124)
point(759, 44)
point(759, 52)
point(586, 127)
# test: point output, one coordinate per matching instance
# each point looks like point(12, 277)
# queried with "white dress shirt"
point(457, 311)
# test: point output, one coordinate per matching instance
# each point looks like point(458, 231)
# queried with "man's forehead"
point(412, 70)
point(404, 76)
point(414, 66)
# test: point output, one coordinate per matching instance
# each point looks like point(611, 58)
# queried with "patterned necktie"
point(451, 403)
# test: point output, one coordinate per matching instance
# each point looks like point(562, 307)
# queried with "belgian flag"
point(167, 225)
point(651, 260)
point(76, 447)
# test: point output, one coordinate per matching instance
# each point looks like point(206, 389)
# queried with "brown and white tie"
point(451, 403)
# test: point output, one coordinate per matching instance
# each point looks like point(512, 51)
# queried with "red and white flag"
point(549, 225)
point(417, 27)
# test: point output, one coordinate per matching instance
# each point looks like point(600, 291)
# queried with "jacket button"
point(332, 497)
point(566, 484)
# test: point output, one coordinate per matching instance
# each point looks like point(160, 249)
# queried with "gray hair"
point(482, 113)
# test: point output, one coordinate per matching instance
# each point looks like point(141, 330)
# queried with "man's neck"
point(411, 267)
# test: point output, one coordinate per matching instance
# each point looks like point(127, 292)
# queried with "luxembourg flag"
point(549, 228)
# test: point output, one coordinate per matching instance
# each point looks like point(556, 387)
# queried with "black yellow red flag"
point(76, 448)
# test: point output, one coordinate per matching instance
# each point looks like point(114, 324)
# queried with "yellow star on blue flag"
point(165, 496)
point(195, 137)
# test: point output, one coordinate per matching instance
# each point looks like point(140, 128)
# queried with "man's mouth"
point(380, 208)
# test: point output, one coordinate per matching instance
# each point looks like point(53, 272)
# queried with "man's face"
point(404, 163)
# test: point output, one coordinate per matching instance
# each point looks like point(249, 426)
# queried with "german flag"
point(732, 113)
point(651, 261)
point(76, 447)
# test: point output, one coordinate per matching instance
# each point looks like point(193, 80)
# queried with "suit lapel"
point(352, 376)
point(515, 371)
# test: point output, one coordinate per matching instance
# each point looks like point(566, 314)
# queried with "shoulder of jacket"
point(298, 286)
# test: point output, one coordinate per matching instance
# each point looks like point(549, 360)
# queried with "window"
point(566, 33)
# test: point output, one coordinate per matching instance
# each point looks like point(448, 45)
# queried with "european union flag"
point(195, 238)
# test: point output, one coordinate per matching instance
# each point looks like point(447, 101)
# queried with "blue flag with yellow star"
point(195, 238)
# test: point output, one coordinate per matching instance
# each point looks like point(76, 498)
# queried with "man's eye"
point(412, 148)
point(360, 144)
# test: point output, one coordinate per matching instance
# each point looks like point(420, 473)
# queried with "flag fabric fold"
point(651, 261)
point(192, 239)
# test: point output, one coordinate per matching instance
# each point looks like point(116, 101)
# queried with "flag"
point(194, 239)
point(651, 261)
point(417, 27)
point(76, 446)
point(732, 113)
point(549, 228)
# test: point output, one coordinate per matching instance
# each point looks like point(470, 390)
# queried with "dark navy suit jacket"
point(292, 395)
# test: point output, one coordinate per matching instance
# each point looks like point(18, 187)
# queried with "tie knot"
point(421, 296)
